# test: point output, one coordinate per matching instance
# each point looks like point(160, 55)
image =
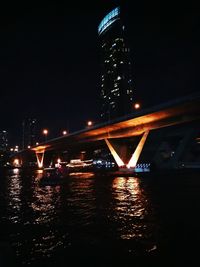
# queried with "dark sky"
point(49, 60)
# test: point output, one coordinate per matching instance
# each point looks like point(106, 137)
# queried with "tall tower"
point(3, 140)
point(116, 80)
point(28, 132)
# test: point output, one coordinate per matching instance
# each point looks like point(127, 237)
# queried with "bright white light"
point(16, 171)
point(136, 105)
point(45, 131)
point(89, 123)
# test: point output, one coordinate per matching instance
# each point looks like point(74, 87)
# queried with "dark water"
point(100, 221)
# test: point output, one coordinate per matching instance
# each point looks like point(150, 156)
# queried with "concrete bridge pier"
point(121, 158)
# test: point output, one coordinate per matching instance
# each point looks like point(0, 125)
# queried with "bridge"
point(137, 124)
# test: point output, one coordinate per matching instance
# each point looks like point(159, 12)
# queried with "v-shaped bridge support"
point(40, 158)
point(119, 161)
point(135, 156)
point(39, 152)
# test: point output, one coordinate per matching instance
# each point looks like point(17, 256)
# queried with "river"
point(97, 220)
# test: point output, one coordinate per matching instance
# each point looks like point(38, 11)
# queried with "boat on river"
point(52, 176)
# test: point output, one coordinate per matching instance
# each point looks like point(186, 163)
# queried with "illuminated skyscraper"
point(116, 80)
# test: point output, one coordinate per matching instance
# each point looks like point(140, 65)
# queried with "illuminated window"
point(115, 90)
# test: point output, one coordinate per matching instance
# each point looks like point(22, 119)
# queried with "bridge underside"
point(130, 127)
point(168, 147)
point(119, 135)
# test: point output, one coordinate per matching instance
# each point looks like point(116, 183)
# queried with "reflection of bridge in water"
point(161, 134)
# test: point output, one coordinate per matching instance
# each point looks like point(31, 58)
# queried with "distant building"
point(116, 79)
point(3, 140)
point(29, 132)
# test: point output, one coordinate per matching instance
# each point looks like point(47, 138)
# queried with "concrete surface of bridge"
point(172, 113)
point(168, 114)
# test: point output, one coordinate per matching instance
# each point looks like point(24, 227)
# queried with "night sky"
point(50, 64)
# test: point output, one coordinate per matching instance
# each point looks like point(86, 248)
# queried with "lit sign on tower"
point(109, 19)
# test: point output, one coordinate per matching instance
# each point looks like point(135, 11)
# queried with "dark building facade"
point(29, 132)
point(116, 78)
point(3, 140)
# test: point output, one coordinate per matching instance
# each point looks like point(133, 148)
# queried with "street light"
point(136, 105)
point(89, 123)
point(64, 132)
point(45, 132)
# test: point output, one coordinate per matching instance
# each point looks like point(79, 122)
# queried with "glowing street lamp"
point(89, 123)
point(64, 132)
point(45, 132)
point(16, 162)
point(136, 105)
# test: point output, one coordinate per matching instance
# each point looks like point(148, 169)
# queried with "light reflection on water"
point(87, 209)
point(14, 197)
point(132, 208)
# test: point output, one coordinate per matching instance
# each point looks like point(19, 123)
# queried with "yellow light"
point(16, 162)
point(40, 149)
point(40, 158)
point(119, 162)
point(136, 105)
point(45, 131)
point(89, 123)
point(39, 171)
point(134, 159)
